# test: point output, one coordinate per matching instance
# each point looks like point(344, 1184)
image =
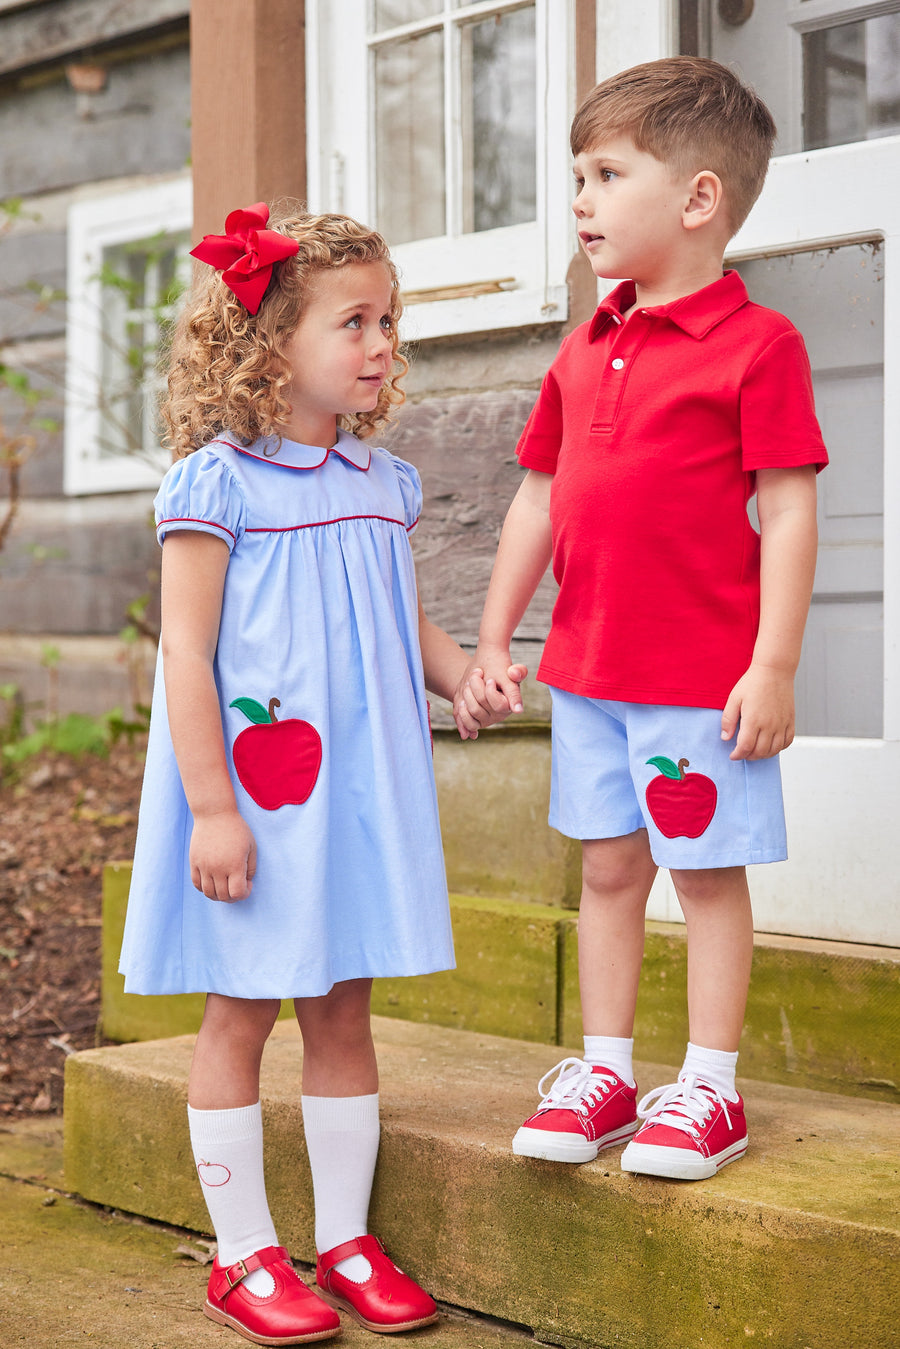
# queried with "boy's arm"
point(762, 701)
point(523, 556)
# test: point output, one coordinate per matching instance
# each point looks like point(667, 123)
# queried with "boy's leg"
point(695, 1126)
point(592, 1103)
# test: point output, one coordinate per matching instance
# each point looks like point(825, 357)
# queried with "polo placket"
point(619, 362)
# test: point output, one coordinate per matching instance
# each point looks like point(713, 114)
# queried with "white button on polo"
point(618, 363)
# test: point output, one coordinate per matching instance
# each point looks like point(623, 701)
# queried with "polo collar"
point(291, 454)
point(695, 314)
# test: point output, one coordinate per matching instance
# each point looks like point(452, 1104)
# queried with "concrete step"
point(796, 1246)
point(821, 1014)
point(76, 1273)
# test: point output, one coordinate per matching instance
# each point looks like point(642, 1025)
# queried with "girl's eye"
point(354, 322)
point(386, 323)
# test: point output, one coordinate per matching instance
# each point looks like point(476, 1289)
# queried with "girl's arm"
point(223, 852)
point(762, 701)
point(444, 664)
point(523, 556)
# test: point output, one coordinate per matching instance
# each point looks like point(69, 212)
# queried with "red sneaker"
point(388, 1301)
point(690, 1132)
point(292, 1314)
point(587, 1109)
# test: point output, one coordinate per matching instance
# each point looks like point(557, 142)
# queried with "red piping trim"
point(314, 524)
point(301, 468)
point(192, 520)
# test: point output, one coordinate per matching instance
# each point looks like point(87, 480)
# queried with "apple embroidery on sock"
point(213, 1174)
point(277, 762)
point(682, 804)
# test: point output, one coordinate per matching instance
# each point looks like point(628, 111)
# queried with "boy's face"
point(629, 209)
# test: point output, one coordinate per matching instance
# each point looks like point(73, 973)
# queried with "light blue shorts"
point(618, 767)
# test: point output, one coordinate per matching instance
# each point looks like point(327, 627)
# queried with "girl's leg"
point(226, 1128)
point(617, 874)
point(340, 1114)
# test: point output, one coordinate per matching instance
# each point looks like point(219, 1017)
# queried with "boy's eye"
point(606, 175)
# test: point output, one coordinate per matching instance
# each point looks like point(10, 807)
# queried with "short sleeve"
point(539, 443)
point(779, 428)
point(411, 491)
point(199, 493)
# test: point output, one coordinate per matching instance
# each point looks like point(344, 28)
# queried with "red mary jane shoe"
point(292, 1314)
point(388, 1301)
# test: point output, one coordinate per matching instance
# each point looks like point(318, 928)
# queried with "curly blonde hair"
point(228, 368)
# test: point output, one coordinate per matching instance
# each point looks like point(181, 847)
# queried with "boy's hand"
point(223, 856)
point(487, 692)
point(762, 704)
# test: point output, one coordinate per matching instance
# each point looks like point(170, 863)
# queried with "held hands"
point(762, 704)
point(222, 856)
point(487, 692)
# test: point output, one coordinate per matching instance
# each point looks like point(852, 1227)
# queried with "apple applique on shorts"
point(277, 762)
point(681, 804)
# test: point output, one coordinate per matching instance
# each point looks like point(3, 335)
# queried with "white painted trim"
point(94, 224)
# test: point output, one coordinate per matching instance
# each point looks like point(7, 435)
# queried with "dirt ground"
point(60, 822)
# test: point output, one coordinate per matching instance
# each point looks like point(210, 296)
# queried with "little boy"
point(677, 629)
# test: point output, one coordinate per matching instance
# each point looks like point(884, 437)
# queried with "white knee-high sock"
point(228, 1151)
point(611, 1051)
point(715, 1066)
point(342, 1134)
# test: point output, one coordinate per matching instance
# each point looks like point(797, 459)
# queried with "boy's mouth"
point(587, 239)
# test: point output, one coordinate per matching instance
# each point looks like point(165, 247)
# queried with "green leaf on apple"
point(665, 766)
point(253, 710)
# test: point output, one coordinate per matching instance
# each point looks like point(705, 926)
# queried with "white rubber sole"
point(564, 1147)
point(648, 1159)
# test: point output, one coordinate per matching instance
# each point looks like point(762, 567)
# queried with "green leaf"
point(253, 710)
point(665, 766)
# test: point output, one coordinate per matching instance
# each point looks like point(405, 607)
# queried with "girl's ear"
point(706, 200)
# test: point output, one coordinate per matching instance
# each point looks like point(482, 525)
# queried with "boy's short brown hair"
point(691, 113)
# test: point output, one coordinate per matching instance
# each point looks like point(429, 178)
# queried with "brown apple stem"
point(276, 702)
point(682, 763)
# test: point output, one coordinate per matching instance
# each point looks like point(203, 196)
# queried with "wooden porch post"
point(581, 280)
point(248, 105)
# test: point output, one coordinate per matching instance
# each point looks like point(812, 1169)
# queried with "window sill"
point(484, 313)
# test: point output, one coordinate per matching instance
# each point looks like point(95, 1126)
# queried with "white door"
point(823, 246)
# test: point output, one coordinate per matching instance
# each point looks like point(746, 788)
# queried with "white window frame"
point(535, 256)
point(95, 224)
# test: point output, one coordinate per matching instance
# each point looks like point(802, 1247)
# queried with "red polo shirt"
point(653, 429)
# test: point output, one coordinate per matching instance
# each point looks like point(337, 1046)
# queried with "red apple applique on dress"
point(277, 762)
point(681, 804)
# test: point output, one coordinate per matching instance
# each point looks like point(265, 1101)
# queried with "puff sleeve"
point(410, 485)
point(200, 493)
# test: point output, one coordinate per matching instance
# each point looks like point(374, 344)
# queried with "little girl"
point(288, 843)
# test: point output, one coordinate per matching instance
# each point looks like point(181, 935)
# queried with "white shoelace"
point(684, 1105)
point(576, 1088)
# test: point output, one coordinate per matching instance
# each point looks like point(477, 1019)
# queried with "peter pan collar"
point(291, 454)
point(695, 314)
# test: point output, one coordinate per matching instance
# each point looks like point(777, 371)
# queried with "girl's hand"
point(223, 856)
point(487, 692)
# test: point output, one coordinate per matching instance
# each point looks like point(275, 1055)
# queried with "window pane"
point(141, 285)
point(499, 133)
point(836, 299)
point(852, 81)
point(390, 13)
point(409, 136)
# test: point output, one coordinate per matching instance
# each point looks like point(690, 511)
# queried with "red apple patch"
point(681, 804)
point(277, 762)
point(213, 1174)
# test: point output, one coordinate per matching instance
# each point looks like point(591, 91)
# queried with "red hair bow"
point(245, 253)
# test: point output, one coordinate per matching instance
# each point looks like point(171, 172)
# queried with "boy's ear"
point(706, 200)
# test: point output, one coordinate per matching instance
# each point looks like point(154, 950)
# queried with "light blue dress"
point(320, 613)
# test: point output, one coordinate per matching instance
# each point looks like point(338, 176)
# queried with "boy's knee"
point(611, 866)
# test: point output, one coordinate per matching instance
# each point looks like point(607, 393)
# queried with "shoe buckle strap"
point(355, 1246)
point(228, 1277)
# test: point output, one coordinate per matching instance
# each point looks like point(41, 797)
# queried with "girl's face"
point(341, 353)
